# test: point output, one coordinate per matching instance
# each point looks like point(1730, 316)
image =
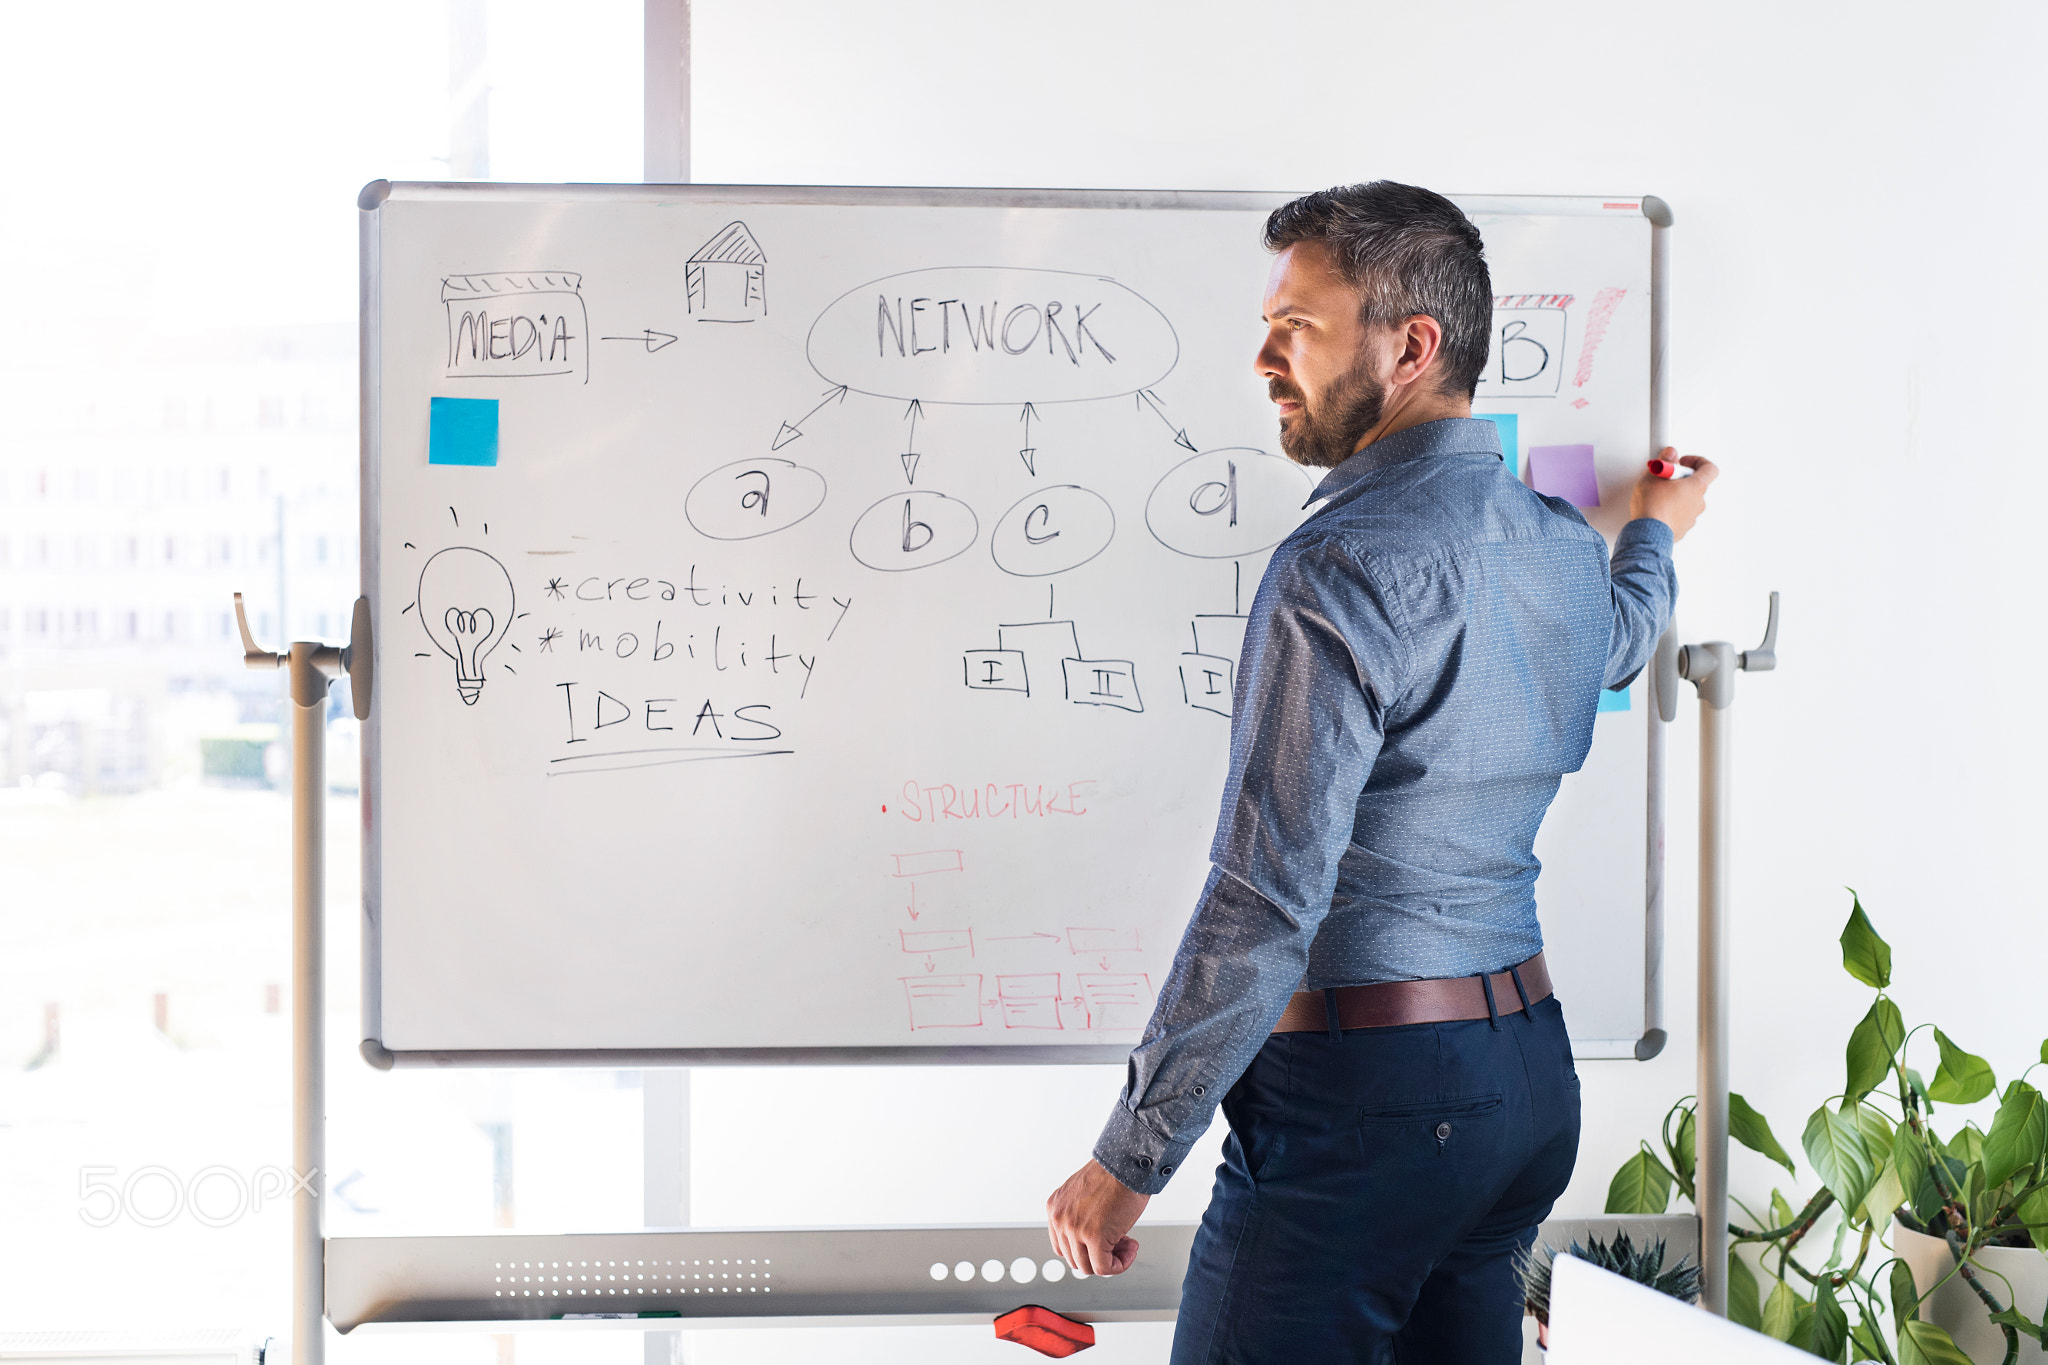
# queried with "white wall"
point(1858, 319)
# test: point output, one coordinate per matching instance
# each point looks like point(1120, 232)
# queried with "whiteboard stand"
point(311, 666)
point(1711, 668)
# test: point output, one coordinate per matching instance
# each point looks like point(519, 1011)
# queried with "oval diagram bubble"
point(751, 498)
point(993, 334)
point(1224, 504)
point(913, 531)
point(1053, 530)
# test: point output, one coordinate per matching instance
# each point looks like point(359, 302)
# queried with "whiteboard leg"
point(309, 1110)
point(1712, 1120)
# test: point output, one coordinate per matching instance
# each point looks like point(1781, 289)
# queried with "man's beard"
point(1328, 434)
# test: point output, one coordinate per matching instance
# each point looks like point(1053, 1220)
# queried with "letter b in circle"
point(913, 531)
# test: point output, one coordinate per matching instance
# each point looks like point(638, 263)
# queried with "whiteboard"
point(831, 661)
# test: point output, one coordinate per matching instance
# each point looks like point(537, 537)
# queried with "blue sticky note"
point(463, 431)
point(1615, 701)
point(1510, 441)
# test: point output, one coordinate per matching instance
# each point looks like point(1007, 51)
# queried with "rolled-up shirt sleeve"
point(1324, 658)
point(1645, 590)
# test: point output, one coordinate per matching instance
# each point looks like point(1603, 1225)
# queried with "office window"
point(192, 394)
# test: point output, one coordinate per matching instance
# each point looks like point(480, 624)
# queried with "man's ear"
point(1422, 342)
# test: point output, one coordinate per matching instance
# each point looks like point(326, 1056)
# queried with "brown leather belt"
point(1437, 1001)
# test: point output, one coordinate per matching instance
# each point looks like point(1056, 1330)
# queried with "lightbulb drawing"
point(466, 606)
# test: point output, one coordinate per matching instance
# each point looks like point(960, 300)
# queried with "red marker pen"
point(1667, 469)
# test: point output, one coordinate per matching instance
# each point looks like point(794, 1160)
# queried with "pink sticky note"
point(1565, 472)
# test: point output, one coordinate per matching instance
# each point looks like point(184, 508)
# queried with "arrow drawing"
point(791, 430)
point(1180, 434)
point(910, 457)
point(913, 901)
point(653, 340)
point(1025, 938)
point(1029, 453)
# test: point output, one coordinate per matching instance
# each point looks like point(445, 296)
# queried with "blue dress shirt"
point(1421, 667)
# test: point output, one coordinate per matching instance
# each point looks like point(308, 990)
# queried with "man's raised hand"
point(1675, 502)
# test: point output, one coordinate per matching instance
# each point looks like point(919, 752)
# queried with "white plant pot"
point(1956, 1307)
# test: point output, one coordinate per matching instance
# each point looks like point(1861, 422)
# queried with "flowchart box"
point(1031, 1000)
point(1208, 682)
point(937, 940)
point(1119, 1000)
point(943, 1001)
point(921, 864)
point(1102, 682)
point(997, 670)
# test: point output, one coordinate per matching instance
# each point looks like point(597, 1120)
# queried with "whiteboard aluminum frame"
point(370, 351)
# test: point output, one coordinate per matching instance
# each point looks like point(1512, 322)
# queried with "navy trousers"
point(1375, 1191)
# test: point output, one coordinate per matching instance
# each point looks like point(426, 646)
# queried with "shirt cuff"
point(1138, 1157)
point(1645, 533)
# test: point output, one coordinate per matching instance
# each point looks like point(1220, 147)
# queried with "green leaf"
point(1749, 1128)
point(1962, 1078)
point(1885, 1196)
point(1830, 1326)
point(1889, 1190)
point(1780, 1310)
point(1919, 1088)
point(1867, 957)
point(1865, 1341)
point(1687, 1154)
point(1841, 1235)
point(2017, 1134)
point(1905, 1296)
point(1968, 1146)
point(1909, 1153)
point(1802, 1328)
point(2013, 1317)
point(1781, 1211)
point(2044, 1050)
point(1834, 1144)
point(1872, 1045)
point(2033, 1211)
point(1877, 1129)
point(1642, 1185)
point(1744, 1306)
point(1922, 1343)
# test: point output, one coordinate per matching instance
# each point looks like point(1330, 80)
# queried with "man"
point(1363, 975)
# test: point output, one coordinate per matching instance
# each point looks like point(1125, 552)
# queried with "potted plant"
point(1644, 1265)
point(1950, 1226)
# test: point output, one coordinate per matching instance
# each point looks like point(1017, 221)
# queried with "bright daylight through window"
point(180, 226)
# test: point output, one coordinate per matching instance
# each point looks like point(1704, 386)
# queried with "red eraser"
point(1044, 1331)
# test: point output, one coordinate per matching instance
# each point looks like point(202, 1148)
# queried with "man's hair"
point(1406, 250)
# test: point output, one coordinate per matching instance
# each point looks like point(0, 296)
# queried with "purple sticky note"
point(1565, 472)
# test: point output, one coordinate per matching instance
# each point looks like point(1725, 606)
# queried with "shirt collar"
point(1446, 436)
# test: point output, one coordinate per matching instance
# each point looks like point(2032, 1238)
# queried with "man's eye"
point(1296, 323)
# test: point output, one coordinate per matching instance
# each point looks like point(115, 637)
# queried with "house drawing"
point(727, 277)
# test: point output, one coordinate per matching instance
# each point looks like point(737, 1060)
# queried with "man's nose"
point(1269, 362)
